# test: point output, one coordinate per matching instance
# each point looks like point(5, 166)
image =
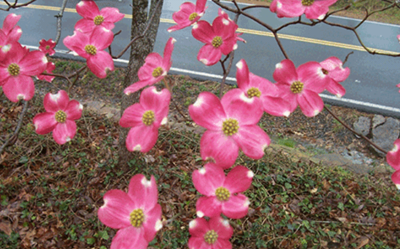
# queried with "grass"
point(50, 194)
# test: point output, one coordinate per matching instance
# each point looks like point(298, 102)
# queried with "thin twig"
point(59, 17)
point(13, 138)
point(16, 5)
point(352, 130)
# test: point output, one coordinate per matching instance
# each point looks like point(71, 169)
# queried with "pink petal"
point(20, 87)
point(199, 242)
point(331, 63)
point(64, 132)
point(116, 209)
point(396, 178)
point(393, 156)
point(85, 25)
point(266, 87)
point(285, 72)
point(336, 88)
point(15, 34)
point(34, 63)
point(242, 75)
point(276, 106)
point(310, 103)
point(55, 102)
point(152, 61)
point(143, 192)
point(200, 6)
point(252, 140)
point(87, 9)
point(137, 86)
point(203, 32)
point(152, 222)
point(290, 8)
point(100, 64)
point(207, 179)
point(207, 111)
point(318, 9)
point(129, 238)
point(208, 206)
point(169, 47)
point(247, 111)
point(223, 243)
point(236, 207)
point(77, 43)
point(101, 38)
point(222, 227)
point(198, 227)
point(132, 116)
point(222, 149)
point(142, 138)
point(209, 55)
point(73, 110)
point(10, 21)
point(44, 123)
point(111, 14)
point(339, 74)
point(238, 179)
point(224, 28)
point(286, 94)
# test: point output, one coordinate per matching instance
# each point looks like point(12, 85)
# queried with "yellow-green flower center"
point(148, 117)
point(222, 194)
point(253, 92)
point(216, 42)
point(307, 2)
point(193, 16)
point(61, 116)
point(13, 69)
point(230, 127)
point(324, 71)
point(296, 87)
point(47, 47)
point(157, 72)
point(210, 237)
point(90, 49)
point(98, 20)
point(137, 217)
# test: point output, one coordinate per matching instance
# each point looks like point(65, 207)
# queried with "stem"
point(59, 17)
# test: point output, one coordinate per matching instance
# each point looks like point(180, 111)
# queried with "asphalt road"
point(370, 87)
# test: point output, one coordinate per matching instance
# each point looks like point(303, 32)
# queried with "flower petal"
point(207, 179)
point(20, 87)
point(143, 192)
point(207, 111)
point(55, 102)
point(64, 132)
point(238, 179)
point(236, 207)
point(208, 206)
point(142, 138)
point(152, 222)
point(222, 227)
point(310, 103)
point(393, 156)
point(203, 32)
point(132, 116)
point(252, 140)
point(285, 72)
point(129, 238)
point(44, 123)
point(209, 55)
point(73, 110)
point(157, 101)
point(100, 64)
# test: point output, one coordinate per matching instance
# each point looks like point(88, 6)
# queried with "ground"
point(50, 194)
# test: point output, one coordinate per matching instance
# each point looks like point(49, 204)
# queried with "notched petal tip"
point(204, 61)
point(159, 225)
point(316, 112)
point(250, 174)
point(395, 149)
point(145, 182)
point(137, 148)
point(239, 64)
point(225, 21)
point(81, 3)
point(278, 65)
point(195, 25)
point(286, 113)
point(200, 214)
point(164, 121)
point(198, 102)
point(192, 224)
point(202, 171)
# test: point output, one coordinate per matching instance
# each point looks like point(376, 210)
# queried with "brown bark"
point(139, 50)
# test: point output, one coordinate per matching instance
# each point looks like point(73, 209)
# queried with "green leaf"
point(90, 241)
point(104, 235)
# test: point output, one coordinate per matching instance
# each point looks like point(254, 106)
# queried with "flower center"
point(230, 127)
point(296, 87)
point(193, 16)
point(253, 92)
point(222, 194)
point(210, 237)
point(307, 2)
point(157, 72)
point(47, 47)
point(98, 20)
point(324, 71)
point(90, 49)
point(137, 217)
point(61, 116)
point(13, 69)
point(216, 42)
point(148, 117)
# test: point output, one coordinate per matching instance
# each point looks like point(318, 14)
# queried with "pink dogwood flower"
point(256, 86)
point(333, 68)
point(231, 124)
point(222, 194)
point(17, 69)
point(225, 15)
point(188, 14)
point(220, 38)
point(49, 69)
point(393, 159)
point(301, 86)
point(154, 69)
point(145, 118)
point(47, 47)
point(91, 47)
point(136, 214)
point(59, 117)
point(212, 234)
point(398, 85)
point(93, 18)
point(10, 27)
point(314, 9)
